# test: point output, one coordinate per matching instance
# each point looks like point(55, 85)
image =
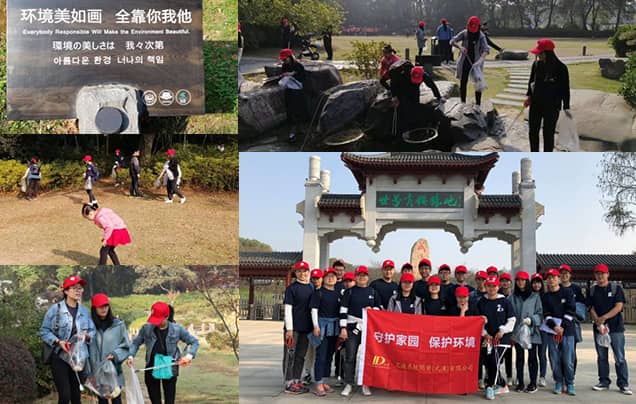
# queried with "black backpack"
point(34, 170)
point(401, 70)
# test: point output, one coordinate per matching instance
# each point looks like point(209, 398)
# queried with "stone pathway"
point(515, 93)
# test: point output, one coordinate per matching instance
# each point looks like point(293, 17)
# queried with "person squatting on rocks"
point(548, 91)
point(90, 176)
point(295, 98)
point(388, 58)
point(135, 175)
point(420, 34)
point(444, 34)
point(32, 176)
point(172, 172)
point(114, 230)
point(474, 49)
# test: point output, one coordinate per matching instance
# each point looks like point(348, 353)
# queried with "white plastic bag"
point(23, 186)
point(525, 337)
point(134, 394)
point(568, 136)
point(77, 354)
point(103, 381)
point(478, 79)
point(603, 337)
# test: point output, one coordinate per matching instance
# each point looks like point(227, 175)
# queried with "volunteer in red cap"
point(64, 323)
point(474, 49)
point(316, 278)
point(161, 339)
point(461, 307)
point(421, 285)
point(529, 316)
point(117, 166)
point(536, 283)
point(134, 169)
point(460, 277)
point(505, 280)
point(548, 93)
point(405, 300)
point(172, 172)
point(434, 304)
point(355, 300)
point(581, 309)
point(606, 301)
point(559, 312)
point(345, 281)
point(285, 33)
point(385, 286)
point(31, 179)
point(406, 268)
point(91, 174)
point(420, 35)
point(111, 342)
point(389, 57)
point(444, 34)
point(447, 289)
point(297, 325)
point(293, 78)
point(500, 322)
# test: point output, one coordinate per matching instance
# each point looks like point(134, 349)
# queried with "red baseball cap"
point(505, 275)
point(316, 273)
point(417, 75)
point(285, 53)
point(492, 280)
point(328, 271)
point(87, 158)
point(284, 20)
point(473, 24)
point(348, 276)
point(72, 281)
point(406, 265)
point(444, 21)
point(462, 291)
point(434, 280)
point(158, 312)
point(481, 274)
point(301, 266)
point(461, 269)
point(522, 275)
point(171, 152)
point(543, 44)
point(492, 269)
point(552, 272)
point(537, 276)
point(407, 277)
point(601, 268)
point(421, 24)
point(34, 160)
point(444, 267)
point(100, 300)
point(388, 263)
point(362, 270)
point(424, 261)
point(116, 151)
point(565, 267)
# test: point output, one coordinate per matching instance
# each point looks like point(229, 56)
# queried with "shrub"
point(366, 57)
point(17, 372)
point(219, 341)
point(624, 40)
point(628, 88)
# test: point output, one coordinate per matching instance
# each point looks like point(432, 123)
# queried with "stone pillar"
point(313, 190)
point(516, 179)
point(325, 180)
point(515, 256)
point(528, 218)
point(324, 252)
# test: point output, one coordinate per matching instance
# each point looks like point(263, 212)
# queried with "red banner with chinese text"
point(419, 353)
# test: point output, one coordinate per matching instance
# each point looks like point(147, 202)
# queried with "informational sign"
point(56, 47)
point(419, 200)
point(419, 353)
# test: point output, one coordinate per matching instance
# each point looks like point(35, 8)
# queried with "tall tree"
point(617, 182)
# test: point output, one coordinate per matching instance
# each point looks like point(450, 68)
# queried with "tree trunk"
point(620, 4)
point(551, 11)
point(145, 146)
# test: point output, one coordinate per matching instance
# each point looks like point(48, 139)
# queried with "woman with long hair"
point(405, 301)
point(542, 350)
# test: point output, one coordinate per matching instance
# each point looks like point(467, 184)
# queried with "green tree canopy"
point(253, 245)
point(617, 182)
point(308, 15)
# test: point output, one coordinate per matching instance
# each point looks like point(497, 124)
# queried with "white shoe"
point(542, 382)
point(366, 391)
point(168, 200)
point(481, 384)
point(346, 391)
point(94, 203)
point(182, 200)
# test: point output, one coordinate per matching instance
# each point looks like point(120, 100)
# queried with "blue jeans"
point(562, 359)
point(324, 355)
point(618, 348)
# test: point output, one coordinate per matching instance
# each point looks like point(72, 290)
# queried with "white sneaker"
point(481, 384)
point(542, 382)
point(182, 200)
point(366, 391)
point(168, 200)
point(346, 391)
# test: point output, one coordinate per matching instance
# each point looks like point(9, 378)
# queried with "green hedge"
point(624, 40)
point(628, 80)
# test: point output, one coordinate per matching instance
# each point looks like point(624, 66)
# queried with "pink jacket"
point(108, 220)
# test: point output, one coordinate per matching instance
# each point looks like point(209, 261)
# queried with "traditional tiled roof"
point(269, 259)
point(497, 202)
point(587, 261)
point(340, 202)
point(423, 163)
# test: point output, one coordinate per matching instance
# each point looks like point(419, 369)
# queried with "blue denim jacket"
point(176, 333)
point(83, 322)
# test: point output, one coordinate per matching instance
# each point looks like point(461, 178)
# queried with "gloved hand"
point(527, 321)
point(527, 102)
point(442, 100)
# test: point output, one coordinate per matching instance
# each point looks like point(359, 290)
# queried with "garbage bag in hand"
point(525, 337)
point(103, 381)
point(77, 353)
point(157, 183)
point(478, 79)
point(23, 186)
point(603, 337)
point(568, 136)
point(134, 394)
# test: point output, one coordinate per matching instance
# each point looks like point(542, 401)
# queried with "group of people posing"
point(536, 315)
point(69, 331)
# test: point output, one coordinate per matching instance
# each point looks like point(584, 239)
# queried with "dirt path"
point(51, 230)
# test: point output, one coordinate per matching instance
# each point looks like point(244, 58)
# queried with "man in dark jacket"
point(135, 175)
point(326, 41)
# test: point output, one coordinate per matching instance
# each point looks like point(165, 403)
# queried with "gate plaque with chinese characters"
point(56, 47)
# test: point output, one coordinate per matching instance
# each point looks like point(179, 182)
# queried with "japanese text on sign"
point(419, 200)
point(94, 16)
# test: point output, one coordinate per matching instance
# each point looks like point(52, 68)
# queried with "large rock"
point(261, 109)
point(448, 89)
point(602, 116)
point(512, 55)
point(467, 124)
point(346, 103)
point(612, 68)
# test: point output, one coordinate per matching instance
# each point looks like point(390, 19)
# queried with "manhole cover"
point(419, 135)
point(343, 138)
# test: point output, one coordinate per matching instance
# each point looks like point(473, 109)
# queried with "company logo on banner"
point(420, 354)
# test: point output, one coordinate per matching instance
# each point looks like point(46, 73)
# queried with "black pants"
point(91, 196)
point(351, 344)
point(508, 362)
point(533, 364)
point(338, 359)
point(108, 251)
point(445, 50)
point(549, 114)
point(173, 189)
point(116, 400)
point(118, 179)
point(296, 106)
point(294, 356)
point(419, 52)
point(65, 382)
point(490, 360)
point(463, 84)
point(134, 186)
point(154, 388)
point(328, 49)
point(33, 186)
